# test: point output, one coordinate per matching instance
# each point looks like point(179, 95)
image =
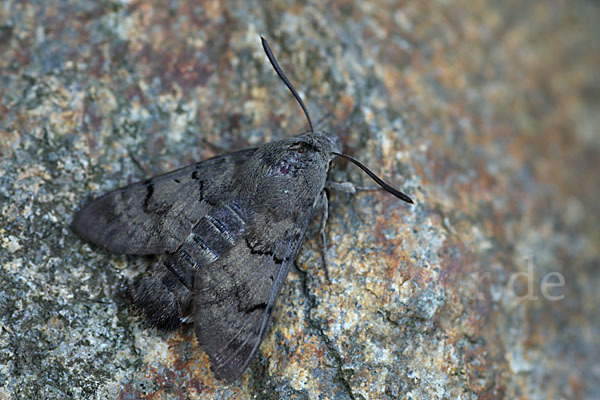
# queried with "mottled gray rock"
point(485, 113)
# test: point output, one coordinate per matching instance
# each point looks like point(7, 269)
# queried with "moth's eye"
point(284, 169)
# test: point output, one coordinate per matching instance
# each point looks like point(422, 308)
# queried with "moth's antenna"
point(381, 183)
point(285, 80)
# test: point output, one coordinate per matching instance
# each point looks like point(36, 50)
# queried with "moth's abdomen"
point(164, 295)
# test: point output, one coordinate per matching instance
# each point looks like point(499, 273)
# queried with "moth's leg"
point(298, 267)
point(349, 187)
point(324, 217)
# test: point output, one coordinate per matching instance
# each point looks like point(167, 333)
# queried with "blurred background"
point(484, 112)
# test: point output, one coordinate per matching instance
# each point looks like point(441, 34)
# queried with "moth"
point(224, 233)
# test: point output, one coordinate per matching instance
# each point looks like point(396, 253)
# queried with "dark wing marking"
point(235, 295)
point(156, 215)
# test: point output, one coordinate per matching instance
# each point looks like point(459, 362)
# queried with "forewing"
point(235, 295)
point(156, 215)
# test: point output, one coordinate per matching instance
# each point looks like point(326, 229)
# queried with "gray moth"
point(224, 233)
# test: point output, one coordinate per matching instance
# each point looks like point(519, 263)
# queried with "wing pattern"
point(155, 216)
point(235, 295)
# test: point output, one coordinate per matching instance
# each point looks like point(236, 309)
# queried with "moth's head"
point(325, 142)
point(331, 142)
point(306, 154)
point(289, 170)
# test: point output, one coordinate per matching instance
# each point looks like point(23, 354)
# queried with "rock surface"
point(482, 111)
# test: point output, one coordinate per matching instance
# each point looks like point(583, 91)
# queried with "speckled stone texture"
point(485, 112)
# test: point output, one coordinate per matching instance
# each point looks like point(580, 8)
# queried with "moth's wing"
point(155, 216)
point(235, 295)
